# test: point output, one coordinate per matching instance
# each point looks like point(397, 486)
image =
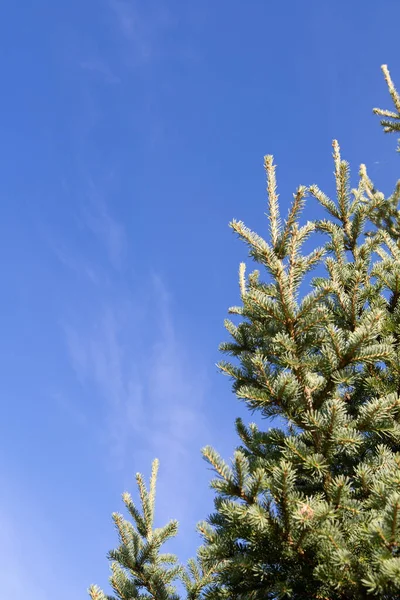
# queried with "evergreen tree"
point(139, 570)
point(310, 509)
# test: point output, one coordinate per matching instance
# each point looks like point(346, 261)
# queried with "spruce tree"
point(139, 570)
point(309, 509)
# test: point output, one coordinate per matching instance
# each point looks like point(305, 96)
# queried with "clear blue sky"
point(132, 132)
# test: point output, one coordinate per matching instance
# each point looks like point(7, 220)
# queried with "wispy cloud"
point(142, 26)
point(99, 356)
point(153, 396)
point(93, 217)
point(128, 353)
point(72, 261)
point(101, 69)
point(106, 227)
point(150, 396)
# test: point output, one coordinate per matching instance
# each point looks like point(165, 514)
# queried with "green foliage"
point(391, 118)
point(310, 509)
point(138, 568)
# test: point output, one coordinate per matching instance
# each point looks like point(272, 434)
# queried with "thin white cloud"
point(99, 356)
point(145, 390)
point(142, 26)
point(110, 232)
point(94, 217)
point(100, 68)
point(153, 398)
point(75, 263)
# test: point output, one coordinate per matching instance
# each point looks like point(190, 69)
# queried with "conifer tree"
point(138, 568)
point(312, 509)
point(309, 509)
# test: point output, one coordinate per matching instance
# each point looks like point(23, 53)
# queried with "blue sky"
point(132, 133)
